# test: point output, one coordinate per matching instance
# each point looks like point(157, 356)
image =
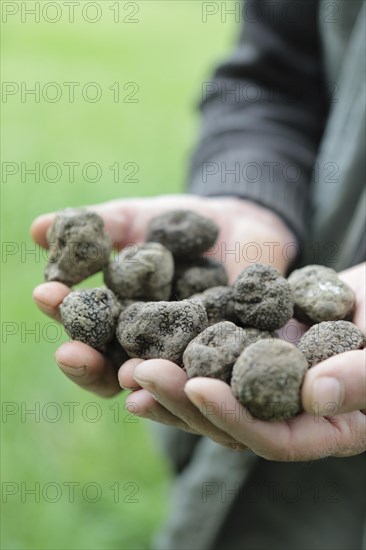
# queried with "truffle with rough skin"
point(152, 330)
point(184, 232)
point(320, 295)
point(90, 316)
point(219, 303)
point(78, 246)
point(267, 379)
point(214, 352)
point(330, 338)
point(263, 298)
point(144, 273)
point(194, 278)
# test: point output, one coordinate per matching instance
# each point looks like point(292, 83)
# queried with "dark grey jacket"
point(284, 126)
point(284, 123)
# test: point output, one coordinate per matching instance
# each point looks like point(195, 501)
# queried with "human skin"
point(333, 391)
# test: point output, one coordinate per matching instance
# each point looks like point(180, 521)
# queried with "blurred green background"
point(120, 480)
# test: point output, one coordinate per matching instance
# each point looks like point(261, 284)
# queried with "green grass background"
point(169, 52)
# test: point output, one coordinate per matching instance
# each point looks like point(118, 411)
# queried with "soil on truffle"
point(78, 246)
point(195, 278)
point(90, 316)
point(219, 303)
point(214, 352)
point(330, 338)
point(267, 379)
point(263, 298)
point(184, 232)
point(144, 273)
point(160, 329)
point(320, 295)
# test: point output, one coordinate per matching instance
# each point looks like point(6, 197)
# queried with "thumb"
point(337, 385)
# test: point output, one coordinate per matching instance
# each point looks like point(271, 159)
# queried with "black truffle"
point(144, 273)
point(330, 338)
point(320, 295)
point(194, 278)
point(186, 234)
point(78, 246)
point(263, 298)
point(90, 316)
point(219, 303)
point(214, 352)
point(267, 379)
point(160, 329)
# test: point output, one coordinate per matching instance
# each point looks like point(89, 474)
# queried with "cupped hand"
point(83, 364)
point(333, 394)
point(247, 232)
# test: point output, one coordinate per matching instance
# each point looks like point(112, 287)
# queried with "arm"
point(263, 113)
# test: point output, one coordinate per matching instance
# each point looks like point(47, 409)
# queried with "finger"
point(48, 297)
point(216, 401)
point(340, 381)
point(355, 278)
point(115, 217)
point(305, 437)
point(166, 381)
point(39, 228)
point(142, 403)
point(88, 368)
point(126, 375)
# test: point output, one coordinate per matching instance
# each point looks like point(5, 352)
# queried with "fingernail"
point(143, 382)
point(326, 391)
point(129, 388)
point(147, 385)
point(73, 371)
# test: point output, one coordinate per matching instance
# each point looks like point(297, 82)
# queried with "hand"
point(333, 394)
point(245, 230)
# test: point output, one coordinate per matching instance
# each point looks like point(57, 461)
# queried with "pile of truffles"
point(168, 298)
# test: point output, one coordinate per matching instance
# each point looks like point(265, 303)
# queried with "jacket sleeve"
point(263, 113)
